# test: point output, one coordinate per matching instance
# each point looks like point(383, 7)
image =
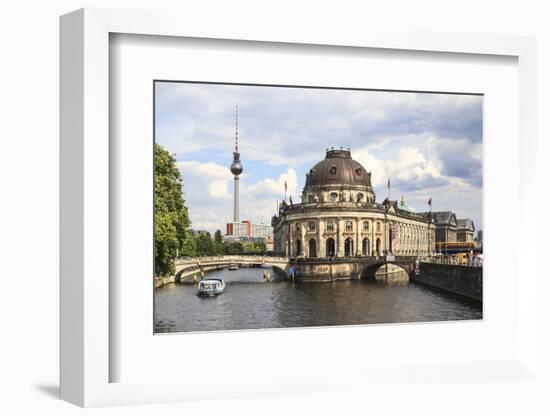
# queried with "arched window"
point(366, 247)
point(298, 248)
point(348, 247)
point(378, 247)
point(331, 247)
point(312, 248)
point(359, 197)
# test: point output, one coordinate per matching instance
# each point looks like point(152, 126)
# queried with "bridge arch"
point(369, 270)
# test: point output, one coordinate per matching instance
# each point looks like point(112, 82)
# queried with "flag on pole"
point(389, 183)
point(389, 189)
point(285, 185)
point(430, 202)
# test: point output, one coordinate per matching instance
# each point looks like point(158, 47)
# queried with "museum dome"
point(338, 169)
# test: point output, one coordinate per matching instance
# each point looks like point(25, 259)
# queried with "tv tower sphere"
point(236, 166)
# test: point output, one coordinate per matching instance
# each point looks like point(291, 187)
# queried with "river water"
point(249, 303)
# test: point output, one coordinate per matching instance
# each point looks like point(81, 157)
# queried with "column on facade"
point(293, 238)
point(358, 243)
point(373, 236)
point(386, 236)
point(340, 237)
point(305, 244)
point(288, 240)
point(321, 249)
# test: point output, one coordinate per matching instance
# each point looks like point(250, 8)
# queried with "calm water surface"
point(249, 303)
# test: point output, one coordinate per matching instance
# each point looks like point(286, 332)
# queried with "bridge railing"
point(474, 262)
point(229, 259)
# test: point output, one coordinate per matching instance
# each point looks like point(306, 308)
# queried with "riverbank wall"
point(161, 281)
point(461, 280)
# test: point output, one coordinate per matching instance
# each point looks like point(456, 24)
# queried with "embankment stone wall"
point(461, 280)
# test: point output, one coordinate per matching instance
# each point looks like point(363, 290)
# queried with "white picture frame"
point(86, 356)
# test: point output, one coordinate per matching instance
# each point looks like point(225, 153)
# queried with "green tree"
point(233, 247)
point(172, 233)
point(205, 245)
point(260, 246)
point(218, 243)
point(218, 236)
point(248, 247)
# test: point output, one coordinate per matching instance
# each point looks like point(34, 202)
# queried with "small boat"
point(233, 267)
point(211, 287)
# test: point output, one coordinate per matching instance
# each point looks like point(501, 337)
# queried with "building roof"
point(444, 217)
point(338, 168)
point(465, 224)
point(405, 207)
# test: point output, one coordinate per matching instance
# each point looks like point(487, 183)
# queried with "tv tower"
point(236, 168)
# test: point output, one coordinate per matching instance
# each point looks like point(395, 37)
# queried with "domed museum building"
point(340, 218)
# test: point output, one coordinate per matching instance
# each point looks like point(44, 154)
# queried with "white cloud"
point(410, 166)
point(209, 175)
point(275, 187)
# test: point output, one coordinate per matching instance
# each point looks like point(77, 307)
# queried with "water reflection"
point(249, 303)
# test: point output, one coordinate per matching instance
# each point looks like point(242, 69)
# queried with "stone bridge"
point(306, 269)
point(187, 268)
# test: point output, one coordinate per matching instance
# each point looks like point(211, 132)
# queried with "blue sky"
point(428, 144)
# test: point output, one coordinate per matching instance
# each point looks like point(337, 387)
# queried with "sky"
point(429, 145)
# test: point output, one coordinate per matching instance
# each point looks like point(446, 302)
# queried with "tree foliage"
point(172, 233)
point(205, 245)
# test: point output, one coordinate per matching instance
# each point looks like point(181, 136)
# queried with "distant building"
point(445, 226)
point(453, 235)
point(246, 230)
point(465, 230)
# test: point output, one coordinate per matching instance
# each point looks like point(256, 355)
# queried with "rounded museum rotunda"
point(339, 216)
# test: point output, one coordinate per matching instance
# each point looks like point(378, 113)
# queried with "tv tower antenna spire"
point(236, 168)
point(236, 128)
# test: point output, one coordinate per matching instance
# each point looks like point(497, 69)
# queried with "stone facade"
point(445, 227)
point(465, 230)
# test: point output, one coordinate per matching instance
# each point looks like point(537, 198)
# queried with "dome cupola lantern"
point(337, 174)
